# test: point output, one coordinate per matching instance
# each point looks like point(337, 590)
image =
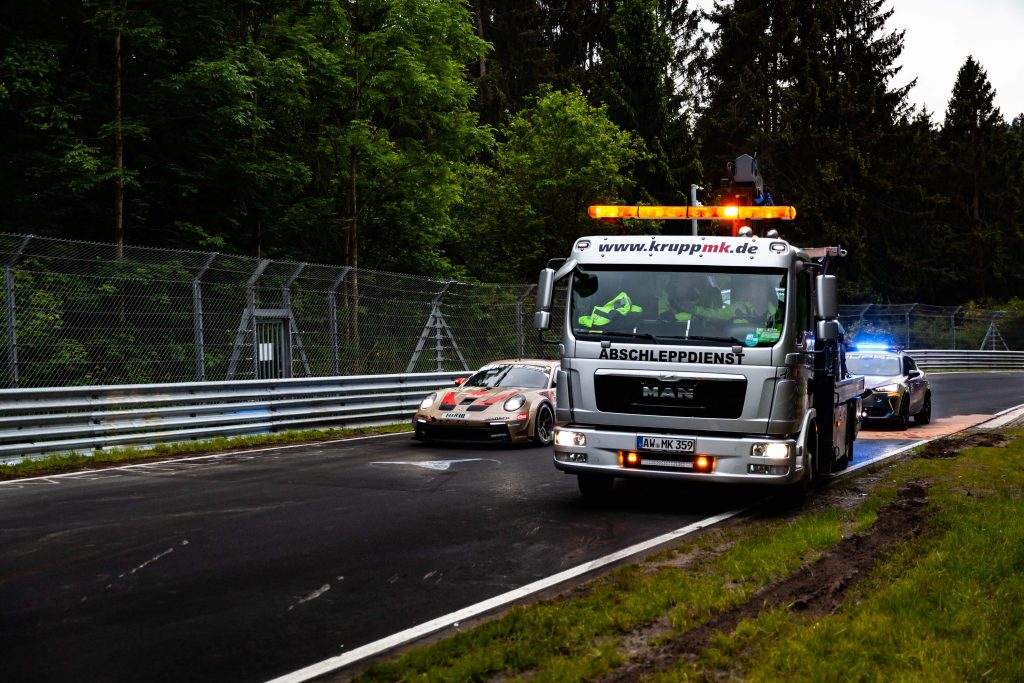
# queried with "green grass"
point(69, 462)
point(946, 606)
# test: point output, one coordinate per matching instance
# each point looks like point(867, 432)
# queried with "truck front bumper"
point(727, 460)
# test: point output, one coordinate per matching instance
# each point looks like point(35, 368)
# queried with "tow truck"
point(717, 395)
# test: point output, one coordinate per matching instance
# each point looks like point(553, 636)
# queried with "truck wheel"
point(796, 493)
point(596, 488)
point(925, 416)
point(544, 426)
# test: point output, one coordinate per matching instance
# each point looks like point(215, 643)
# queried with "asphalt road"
point(248, 566)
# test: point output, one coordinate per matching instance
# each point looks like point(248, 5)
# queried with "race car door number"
point(664, 443)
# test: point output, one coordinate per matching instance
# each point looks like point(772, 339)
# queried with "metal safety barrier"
point(938, 359)
point(60, 419)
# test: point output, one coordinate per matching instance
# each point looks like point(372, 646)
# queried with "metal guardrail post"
point(11, 313)
point(197, 317)
point(332, 300)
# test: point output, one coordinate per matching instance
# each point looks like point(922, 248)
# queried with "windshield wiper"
point(696, 337)
point(610, 333)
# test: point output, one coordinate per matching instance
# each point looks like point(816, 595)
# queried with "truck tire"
point(596, 488)
point(544, 426)
point(796, 493)
point(925, 416)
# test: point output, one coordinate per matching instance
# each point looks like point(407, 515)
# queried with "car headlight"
point(428, 400)
point(514, 403)
point(888, 389)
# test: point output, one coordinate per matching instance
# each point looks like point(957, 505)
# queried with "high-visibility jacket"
point(665, 306)
point(599, 316)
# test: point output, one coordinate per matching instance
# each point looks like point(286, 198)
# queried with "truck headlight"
point(428, 400)
point(515, 403)
point(564, 437)
point(771, 449)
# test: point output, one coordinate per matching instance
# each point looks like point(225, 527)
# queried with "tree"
point(561, 154)
point(977, 163)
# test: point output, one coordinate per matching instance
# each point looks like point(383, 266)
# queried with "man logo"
point(678, 393)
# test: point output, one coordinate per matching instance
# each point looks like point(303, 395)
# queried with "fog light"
point(564, 437)
point(703, 463)
point(629, 459)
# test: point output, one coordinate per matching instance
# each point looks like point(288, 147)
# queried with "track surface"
point(248, 566)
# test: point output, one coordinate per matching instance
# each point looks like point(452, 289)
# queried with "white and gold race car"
point(504, 401)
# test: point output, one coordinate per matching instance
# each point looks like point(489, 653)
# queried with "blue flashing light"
point(877, 346)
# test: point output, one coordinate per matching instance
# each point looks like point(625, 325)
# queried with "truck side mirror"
point(828, 298)
point(828, 330)
point(545, 289)
point(542, 320)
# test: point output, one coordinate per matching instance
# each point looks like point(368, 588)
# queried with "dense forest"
point(448, 139)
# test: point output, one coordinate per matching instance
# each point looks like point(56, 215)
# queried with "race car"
point(504, 401)
point(895, 388)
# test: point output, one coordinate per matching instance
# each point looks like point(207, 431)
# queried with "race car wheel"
point(925, 416)
point(544, 426)
point(902, 419)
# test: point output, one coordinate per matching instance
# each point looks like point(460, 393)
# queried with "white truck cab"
point(699, 357)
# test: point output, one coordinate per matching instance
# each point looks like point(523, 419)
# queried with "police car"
point(895, 388)
point(505, 401)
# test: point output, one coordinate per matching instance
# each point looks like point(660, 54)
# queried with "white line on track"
point(210, 456)
point(426, 628)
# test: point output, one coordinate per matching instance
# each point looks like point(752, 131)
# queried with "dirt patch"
point(816, 589)
point(951, 447)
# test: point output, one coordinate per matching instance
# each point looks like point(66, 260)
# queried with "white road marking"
point(312, 596)
point(17, 483)
point(453, 619)
point(438, 465)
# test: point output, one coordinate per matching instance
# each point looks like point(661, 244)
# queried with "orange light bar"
point(658, 213)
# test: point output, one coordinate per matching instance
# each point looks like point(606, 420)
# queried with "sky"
point(939, 36)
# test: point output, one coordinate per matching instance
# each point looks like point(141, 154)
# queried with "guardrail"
point(47, 420)
point(939, 359)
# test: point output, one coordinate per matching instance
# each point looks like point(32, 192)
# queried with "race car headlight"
point(428, 400)
point(515, 403)
point(888, 389)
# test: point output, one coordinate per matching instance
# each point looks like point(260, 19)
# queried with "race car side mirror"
point(459, 381)
point(914, 374)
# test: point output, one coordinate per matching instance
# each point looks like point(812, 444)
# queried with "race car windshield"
point(526, 376)
point(652, 305)
point(885, 366)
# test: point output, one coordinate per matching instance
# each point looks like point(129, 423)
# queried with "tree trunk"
point(480, 35)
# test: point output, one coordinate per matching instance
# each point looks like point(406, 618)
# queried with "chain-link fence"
point(83, 313)
point(921, 326)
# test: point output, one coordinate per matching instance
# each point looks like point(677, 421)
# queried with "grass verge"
point(74, 461)
point(945, 602)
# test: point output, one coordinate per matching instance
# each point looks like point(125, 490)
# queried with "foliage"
point(561, 154)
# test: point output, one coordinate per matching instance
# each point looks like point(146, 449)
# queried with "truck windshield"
point(645, 305)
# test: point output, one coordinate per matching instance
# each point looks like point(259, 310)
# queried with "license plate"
point(664, 443)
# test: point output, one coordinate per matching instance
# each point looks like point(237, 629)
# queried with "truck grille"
point(713, 398)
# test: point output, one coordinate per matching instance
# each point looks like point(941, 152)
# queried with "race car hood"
point(475, 399)
point(874, 381)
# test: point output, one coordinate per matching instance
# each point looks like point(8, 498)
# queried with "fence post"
point(332, 300)
point(520, 342)
point(12, 333)
point(952, 324)
point(912, 307)
point(197, 317)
